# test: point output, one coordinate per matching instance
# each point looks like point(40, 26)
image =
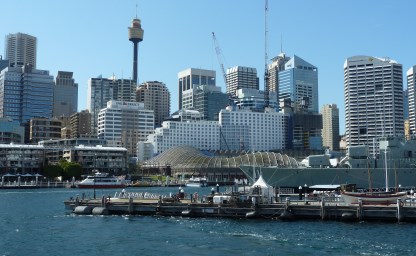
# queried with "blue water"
point(35, 222)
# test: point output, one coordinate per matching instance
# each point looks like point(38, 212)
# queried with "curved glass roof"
point(189, 157)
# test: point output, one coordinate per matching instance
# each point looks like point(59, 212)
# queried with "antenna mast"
point(266, 71)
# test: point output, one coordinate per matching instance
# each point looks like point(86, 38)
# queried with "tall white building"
point(330, 126)
point(20, 49)
point(192, 77)
point(123, 124)
point(411, 88)
point(239, 77)
point(373, 91)
point(253, 131)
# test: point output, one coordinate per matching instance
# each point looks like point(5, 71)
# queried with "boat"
point(283, 171)
point(102, 180)
point(373, 197)
point(197, 182)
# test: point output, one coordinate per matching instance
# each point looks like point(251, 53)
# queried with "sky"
point(90, 37)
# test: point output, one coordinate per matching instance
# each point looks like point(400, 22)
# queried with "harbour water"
point(35, 222)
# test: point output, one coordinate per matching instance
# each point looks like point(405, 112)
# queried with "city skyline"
point(178, 35)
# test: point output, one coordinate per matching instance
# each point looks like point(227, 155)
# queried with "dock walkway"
point(287, 210)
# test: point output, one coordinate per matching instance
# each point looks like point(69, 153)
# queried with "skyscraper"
point(20, 49)
point(206, 99)
point(65, 95)
point(155, 96)
point(25, 93)
point(296, 79)
point(192, 77)
point(101, 90)
point(411, 90)
point(373, 91)
point(330, 126)
point(239, 77)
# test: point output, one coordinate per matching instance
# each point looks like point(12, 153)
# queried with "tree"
point(72, 169)
point(52, 171)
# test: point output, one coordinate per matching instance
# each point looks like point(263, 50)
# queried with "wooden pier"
point(286, 210)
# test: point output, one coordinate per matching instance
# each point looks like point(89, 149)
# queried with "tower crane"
point(219, 56)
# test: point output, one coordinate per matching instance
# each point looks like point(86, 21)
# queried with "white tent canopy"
point(262, 188)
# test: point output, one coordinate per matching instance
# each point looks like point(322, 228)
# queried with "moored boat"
point(197, 182)
point(102, 180)
point(373, 197)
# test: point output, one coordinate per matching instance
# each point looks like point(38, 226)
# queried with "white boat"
point(373, 197)
point(102, 180)
point(197, 182)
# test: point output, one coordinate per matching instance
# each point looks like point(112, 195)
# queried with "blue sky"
point(90, 39)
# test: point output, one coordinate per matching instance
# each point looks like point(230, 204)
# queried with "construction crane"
point(219, 56)
point(266, 69)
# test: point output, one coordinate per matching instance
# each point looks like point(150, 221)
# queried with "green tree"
point(72, 169)
point(52, 171)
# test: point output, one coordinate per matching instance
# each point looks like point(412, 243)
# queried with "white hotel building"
point(123, 124)
point(236, 130)
point(253, 131)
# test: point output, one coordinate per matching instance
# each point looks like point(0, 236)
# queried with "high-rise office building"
point(65, 94)
point(206, 99)
point(25, 93)
point(101, 90)
point(155, 96)
point(241, 77)
point(20, 49)
point(411, 93)
point(373, 91)
point(330, 126)
point(192, 77)
point(123, 124)
point(296, 79)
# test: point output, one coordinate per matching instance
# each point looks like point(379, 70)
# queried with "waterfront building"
point(11, 131)
point(44, 129)
point(20, 49)
point(123, 124)
point(330, 126)
point(21, 159)
point(203, 135)
point(239, 77)
point(186, 115)
point(192, 77)
point(253, 130)
point(296, 79)
point(373, 91)
point(411, 99)
point(111, 160)
point(65, 95)
point(206, 99)
point(155, 96)
point(25, 93)
point(80, 124)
